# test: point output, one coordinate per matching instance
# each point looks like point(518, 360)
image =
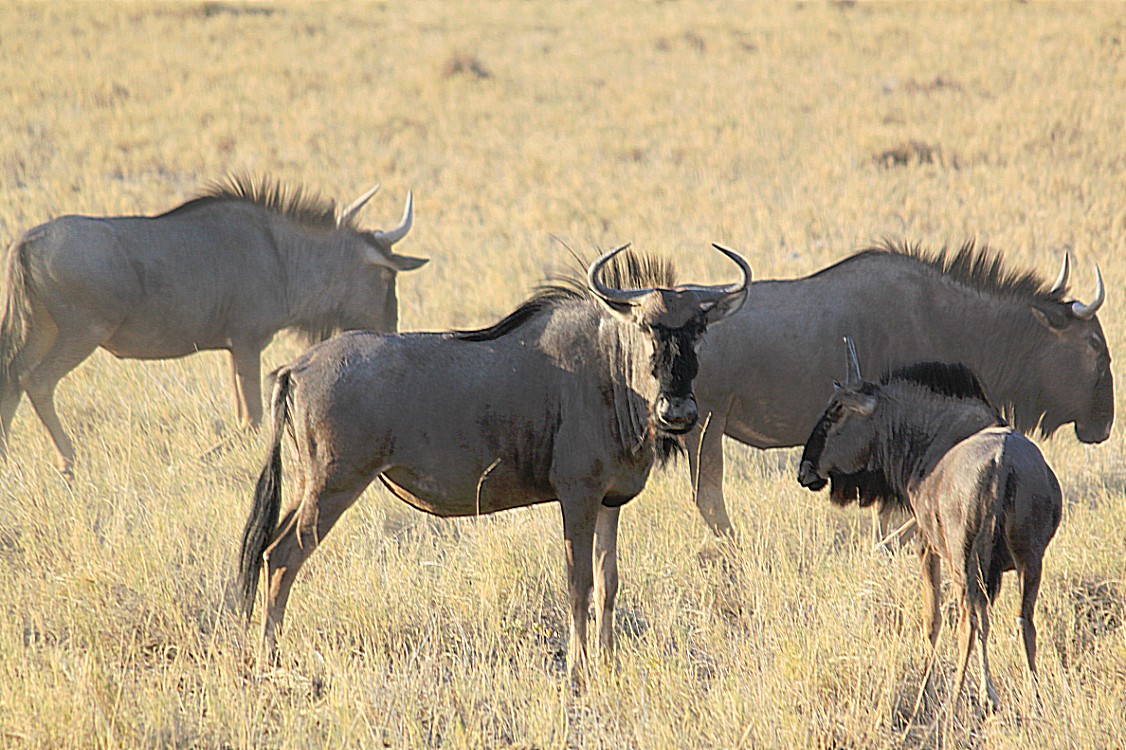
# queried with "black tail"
point(987, 552)
point(1001, 558)
point(267, 500)
point(15, 315)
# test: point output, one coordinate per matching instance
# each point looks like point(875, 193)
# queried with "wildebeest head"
point(1079, 356)
point(840, 446)
point(380, 261)
point(674, 320)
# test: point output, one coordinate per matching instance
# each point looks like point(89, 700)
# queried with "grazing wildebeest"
point(569, 398)
point(226, 270)
point(926, 439)
point(764, 376)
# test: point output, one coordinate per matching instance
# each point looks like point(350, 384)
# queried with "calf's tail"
point(990, 553)
point(267, 499)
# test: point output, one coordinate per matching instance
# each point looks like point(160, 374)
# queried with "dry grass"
point(668, 124)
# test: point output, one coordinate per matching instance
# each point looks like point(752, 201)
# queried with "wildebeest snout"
point(809, 478)
point(677, 414)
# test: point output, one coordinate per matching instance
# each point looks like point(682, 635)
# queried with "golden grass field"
point(671, 125)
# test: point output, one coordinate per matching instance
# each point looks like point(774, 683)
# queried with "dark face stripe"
point(815, 445)
point(674, 363)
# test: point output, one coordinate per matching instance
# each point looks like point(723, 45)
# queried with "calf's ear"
point(862, 404)
point(623, 311)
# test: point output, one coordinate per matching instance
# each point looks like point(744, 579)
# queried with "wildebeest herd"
point(574, 395)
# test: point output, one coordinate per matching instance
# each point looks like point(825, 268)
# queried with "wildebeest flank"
point(926, 439)
point(569, 398)
point(765, 375)
point(226, 270)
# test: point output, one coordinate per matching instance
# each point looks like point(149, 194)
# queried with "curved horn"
point(350, 213)
point(1060, 286)
point(399, 232)
point(852, 365)
point(621, 296)
point(1086, 312)
point(725, 289)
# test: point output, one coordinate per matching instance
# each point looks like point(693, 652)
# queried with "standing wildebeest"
point(568, 398)
point(926, 439)
point(226, 270)
point(765, 375)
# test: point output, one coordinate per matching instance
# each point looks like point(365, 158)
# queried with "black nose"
point(677, 414)
point(808, 478)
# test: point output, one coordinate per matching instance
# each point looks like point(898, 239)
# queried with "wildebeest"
point(764, 376)
point(926, 439)
point(226, 270)
point(569, 398)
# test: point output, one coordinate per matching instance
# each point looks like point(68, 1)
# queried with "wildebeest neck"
point(917, 426)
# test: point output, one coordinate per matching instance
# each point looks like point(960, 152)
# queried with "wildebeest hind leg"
point(931, 568)
point(67, 352)
point(987, 692)
point(1030, 587)
point(967, 629)
point(9, 400)
point(299, 533)
point(605, 578)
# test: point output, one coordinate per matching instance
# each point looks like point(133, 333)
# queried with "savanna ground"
point(794, 132)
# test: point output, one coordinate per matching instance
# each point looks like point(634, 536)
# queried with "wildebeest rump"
point(226, 270)
point(566, 399)
point(765, 375)
point(926, 439)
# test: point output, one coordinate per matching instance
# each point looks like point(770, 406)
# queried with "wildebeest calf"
point(925, 438)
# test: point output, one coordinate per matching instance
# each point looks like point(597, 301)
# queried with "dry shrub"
point(1080, 618)
point(910, 153)
point(465, 65)
point(211, 9)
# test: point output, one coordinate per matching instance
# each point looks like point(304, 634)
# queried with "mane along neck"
point(294, 202)
point(986, 293)
point(916, 426)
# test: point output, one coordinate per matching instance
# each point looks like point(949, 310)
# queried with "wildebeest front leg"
point(1029, 588)
point(605, 578)
point(246, 376)
point(579, 514)
point(705, 461)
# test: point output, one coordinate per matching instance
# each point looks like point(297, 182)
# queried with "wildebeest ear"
point(858, 403)
point(622, 311)
point(407, 262)
point(728, 305)
point(390, 260)
point(1050, 319)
